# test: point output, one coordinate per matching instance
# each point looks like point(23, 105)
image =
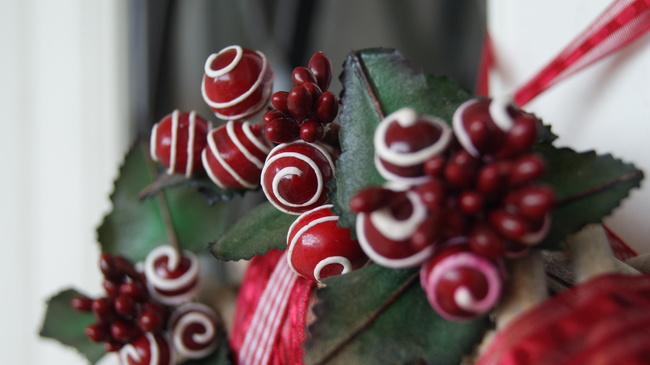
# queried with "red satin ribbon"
point(620, 24)
point(605, 320)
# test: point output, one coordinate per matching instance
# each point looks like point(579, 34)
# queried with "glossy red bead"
point(148, 349)
point(534, 202)
point(484, 240)
point(299, 102)
point(172, 276)
point(235, 155)
point(311, 131)
point(318, 248)
point(282, 130)
point(370, 198)
point(526, 169)
point(301, 75)
point(177, 141)
point(237, 83)
point(327, 107)
point(507, 224)
point(97, 332)
point(295, 176)
point(321, 66)
point(81, 303)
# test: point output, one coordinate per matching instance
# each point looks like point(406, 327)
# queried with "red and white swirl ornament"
point(404, 140)
point(237, 83)
point(295, 175)
point(235, 154)
point(148, 349)
point(172, 279)
point(177, 141)
point(385, 235)
point(194, 330)
point(460, 284)
point(318, 248)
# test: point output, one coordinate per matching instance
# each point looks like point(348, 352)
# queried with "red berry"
point(311, 131)
point(371, 198)
point(302, 75)
point(97, 332)
point(124, 331)
point(428, 232)
point(435, 166)
point(279, 101)
point(521, 137)
point(471, 202)
point(112, 289)
point(526, 169)
point(103, 309)
point(327, 107)
point(272, 115)
point(81, 303)
point(282, 130)
point(112, 346)
point(534, 202)
point(314, 91)
point(150, 321)
point(125, 306)
point(126, 267)
point(485, 241)
point(109, 269)
point(508, 224)
point(299, 102)
point(455, 224)
point(321, 66)
point(460, 171)
point(433, 194)
point(134, 290)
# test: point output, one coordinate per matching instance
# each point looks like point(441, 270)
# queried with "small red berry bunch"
point(127, 311)
point(477, 190)
point(306, 110)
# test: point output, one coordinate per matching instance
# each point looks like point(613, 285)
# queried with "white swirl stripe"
point(226, 166)
point(460, 131)
point(266, 322)
point(333, 260)
point(235, 61)
point(194, 313)
point(187, 279)
point(230, 128)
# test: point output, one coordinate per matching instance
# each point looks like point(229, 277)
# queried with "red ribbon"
point(619, 25)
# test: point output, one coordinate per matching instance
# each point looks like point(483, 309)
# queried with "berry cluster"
point(477, 191)
point(127, 311)
point(147, 315)
point(306, 110)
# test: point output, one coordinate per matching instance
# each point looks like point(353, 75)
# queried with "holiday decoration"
point(178, 140)
point(452, 197)
point(237, 83)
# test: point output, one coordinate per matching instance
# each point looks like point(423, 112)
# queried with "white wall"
point(65, 126)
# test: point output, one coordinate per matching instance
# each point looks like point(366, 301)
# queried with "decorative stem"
point(164, 206)
point(369, 320)
point(366, 81)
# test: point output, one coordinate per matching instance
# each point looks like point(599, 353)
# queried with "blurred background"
point(81, 79)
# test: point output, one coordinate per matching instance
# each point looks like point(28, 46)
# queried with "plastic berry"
point(487, 127)
point(404, 141)
point(459, 283)
point(295, 175)
point(385, 234)
point(237, 83)
point(172, 278)
point(177, 141)
point(307, 110)
point(194, 329)
point(235, 155)
point(317, 248)
point(148, 349)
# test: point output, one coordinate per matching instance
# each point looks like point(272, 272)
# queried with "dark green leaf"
point(201, 184)
point(262, 229)
point(588, 187)
point(407, 330)
point(66, 325)
point(376, 83)
point(135, 227)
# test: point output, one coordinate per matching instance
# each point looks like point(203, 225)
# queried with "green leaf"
point(66, 325)
point(135, 227)
point(377, 82)
point(262, 229)
point(403, 331)
point(588, 187)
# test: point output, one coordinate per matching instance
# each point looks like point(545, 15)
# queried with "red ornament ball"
point(177, 141)
point(295, 176)
point(318, 248)
point(172, 278)
point(459, 283)
point(194, 330)
point(237, 83)
point(235, 155)
point(405, 140)
point(148, 349)
point(386, 234)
